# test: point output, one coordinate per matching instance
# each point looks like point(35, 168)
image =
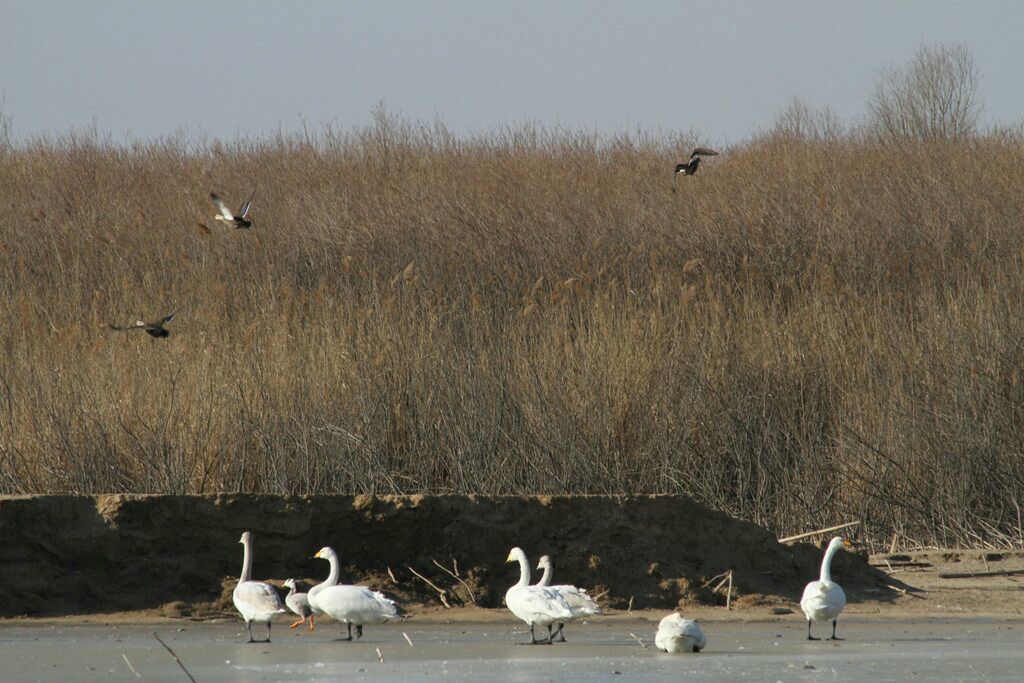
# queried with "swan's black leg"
point(834, 637)
point(533, 638)
point(561, 636)
point(359, 631)
point(809, 636)
point(268, 633)
point(349, 634)
point(249, 626)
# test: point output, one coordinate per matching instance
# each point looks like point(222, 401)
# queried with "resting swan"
point(254, 600)
point(823, 599)
point(580, 604)
point(351, 605)
point(676, 634)
point(536, 605)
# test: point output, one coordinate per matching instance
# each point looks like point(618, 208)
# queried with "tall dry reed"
point(813, 328)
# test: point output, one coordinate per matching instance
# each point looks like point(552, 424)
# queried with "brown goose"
point(241, 220)
point(690, 167)
point(153, 329)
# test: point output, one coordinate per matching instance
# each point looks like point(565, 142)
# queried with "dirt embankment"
point(88, 554)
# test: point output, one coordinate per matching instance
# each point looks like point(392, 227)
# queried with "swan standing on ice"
point(351, 605)
point(580, 604)
point(255, 600)
point(536, 605)
point(824, 599)
point(299, 603)
point(331, 580)
point(676, 634)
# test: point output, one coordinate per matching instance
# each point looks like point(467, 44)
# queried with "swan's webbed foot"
point(560, 634)
point(809, 636)
point(348, 638)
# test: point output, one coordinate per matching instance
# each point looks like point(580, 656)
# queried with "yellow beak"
point(510, 558)
point(847, 543)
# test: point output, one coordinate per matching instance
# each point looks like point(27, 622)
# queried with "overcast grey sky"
point(231, 68)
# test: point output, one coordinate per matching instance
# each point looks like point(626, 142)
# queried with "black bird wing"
point(162, 321)
point(244, 211)
point(703, 152)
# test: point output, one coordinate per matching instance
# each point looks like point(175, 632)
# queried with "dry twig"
point(176, 658)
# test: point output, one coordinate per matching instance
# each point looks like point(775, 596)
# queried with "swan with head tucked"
point(536, 605)
point(299, 604)
point(676, 634)
point(255, 600)
point(823, 599)
point(580, 604)
point(351, 605)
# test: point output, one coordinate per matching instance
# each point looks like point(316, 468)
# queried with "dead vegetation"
point(821, 326)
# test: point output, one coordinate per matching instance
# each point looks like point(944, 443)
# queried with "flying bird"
point(241, 220)
point(690, 167)
point(153, 329)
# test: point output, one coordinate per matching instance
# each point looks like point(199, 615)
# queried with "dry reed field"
point(819, 326)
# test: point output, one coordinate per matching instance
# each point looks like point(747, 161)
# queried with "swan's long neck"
point(332, 578)
point(524, 571)
point(826, 564)
point(545, 579)
point(246, 562)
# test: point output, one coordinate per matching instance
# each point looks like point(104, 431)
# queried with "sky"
point(139, 70)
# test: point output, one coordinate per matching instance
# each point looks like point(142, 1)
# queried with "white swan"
point(536, 605)
point(351, 605)
point(299, 604)
point(824, 599)
point(255, 600)
point(331, 580)
point(580, 604)
point(676, 634)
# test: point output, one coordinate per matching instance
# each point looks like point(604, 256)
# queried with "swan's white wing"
point(222, 207)
point(537, 605)
point(388, 607)
point(580, 604)
point(257, 600)
point(355, 604)
point(691, 629)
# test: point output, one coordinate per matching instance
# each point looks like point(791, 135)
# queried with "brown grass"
point(812, 329)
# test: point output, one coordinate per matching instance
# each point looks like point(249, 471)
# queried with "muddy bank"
point(86, 554)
